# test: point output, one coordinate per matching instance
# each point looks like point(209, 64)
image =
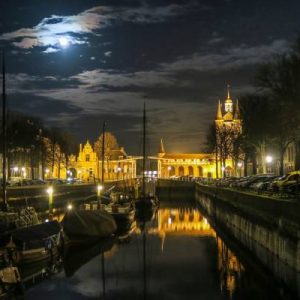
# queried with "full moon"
point(64, 42)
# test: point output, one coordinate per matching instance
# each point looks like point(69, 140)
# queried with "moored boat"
point(81, 224)
point(35, 243)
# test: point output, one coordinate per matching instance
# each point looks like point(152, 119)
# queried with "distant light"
point(16, 169)
point(23, 169)
point(47, 171)
point(70, 207)
point(239, 164)
point(223, 168)
point(269, 159)
point(169, 220)
point(49, 190)
point(99, 188)
point(64, 42)
point(47, 220)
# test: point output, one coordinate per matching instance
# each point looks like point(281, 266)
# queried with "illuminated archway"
point(191, 171)
point(171, 171)
point(200, 171)
point(181, 171)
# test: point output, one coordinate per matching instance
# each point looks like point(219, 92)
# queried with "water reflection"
point(175, 255)
point(229, 267)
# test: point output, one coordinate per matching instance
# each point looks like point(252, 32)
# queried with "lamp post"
point(99, 189)
point(240, 165)
point(269, 160)
point(47, 171)
point(50, 195)
point(118, 172)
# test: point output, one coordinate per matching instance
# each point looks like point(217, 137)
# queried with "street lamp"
point(239, 164)
point(99, 189)
point(50, 194)
point(118, 171)
point(269, 160)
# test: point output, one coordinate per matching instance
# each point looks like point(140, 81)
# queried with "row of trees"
point(270, 116)
point(30, 143)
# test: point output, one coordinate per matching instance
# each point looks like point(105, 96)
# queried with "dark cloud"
point(178, 57)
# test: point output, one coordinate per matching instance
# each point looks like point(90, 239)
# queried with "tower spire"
point(237, 114)
point(228, 91)
point(219, 111)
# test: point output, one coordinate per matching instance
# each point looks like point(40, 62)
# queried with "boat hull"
point(88, 224)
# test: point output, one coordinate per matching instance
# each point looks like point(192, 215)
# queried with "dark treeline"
point(270, 116)
point(32, 145)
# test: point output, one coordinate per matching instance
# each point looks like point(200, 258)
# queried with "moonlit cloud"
point(49, 31)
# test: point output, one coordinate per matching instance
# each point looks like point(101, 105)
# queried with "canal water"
point(175, 255)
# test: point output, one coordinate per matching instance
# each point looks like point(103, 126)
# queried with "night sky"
point(178, 56)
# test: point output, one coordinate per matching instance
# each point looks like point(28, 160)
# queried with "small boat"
point(35, 243)
point(146, 203)
point(88, 224)
point(121, 207)
point(10, 279)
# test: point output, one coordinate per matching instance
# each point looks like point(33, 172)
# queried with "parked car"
point(54, 181)
point(264, 184)
point(284, 181)
point(254, 179)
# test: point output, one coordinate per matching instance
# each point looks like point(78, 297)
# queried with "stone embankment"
point(269, 228)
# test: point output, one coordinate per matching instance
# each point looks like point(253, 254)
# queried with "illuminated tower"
point(228, 127)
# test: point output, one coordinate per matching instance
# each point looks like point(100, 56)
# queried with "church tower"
point(231, 114)
point(228, 127)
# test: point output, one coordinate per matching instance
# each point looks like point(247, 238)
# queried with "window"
point(87, 157)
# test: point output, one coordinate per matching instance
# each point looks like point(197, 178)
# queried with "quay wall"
point(62, 194)
point(268, 228)
point(171, 190)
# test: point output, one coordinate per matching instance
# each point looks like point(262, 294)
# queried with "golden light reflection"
point(185, 221)
point(188, 221)
point(229, 267)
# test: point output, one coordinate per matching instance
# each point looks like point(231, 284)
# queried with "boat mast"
point(102, 182)
point(4, 146)
point(144, 148)
point(103, 152)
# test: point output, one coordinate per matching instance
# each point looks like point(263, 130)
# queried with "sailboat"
point(145, 203)
point(120, 205)
point(83, 224)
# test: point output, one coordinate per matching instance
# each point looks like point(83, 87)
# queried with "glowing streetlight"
point(50, 194)
point(239, 165)
point(269, 159)
point(70, 207)
point(16, 169)
point(99, 189)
